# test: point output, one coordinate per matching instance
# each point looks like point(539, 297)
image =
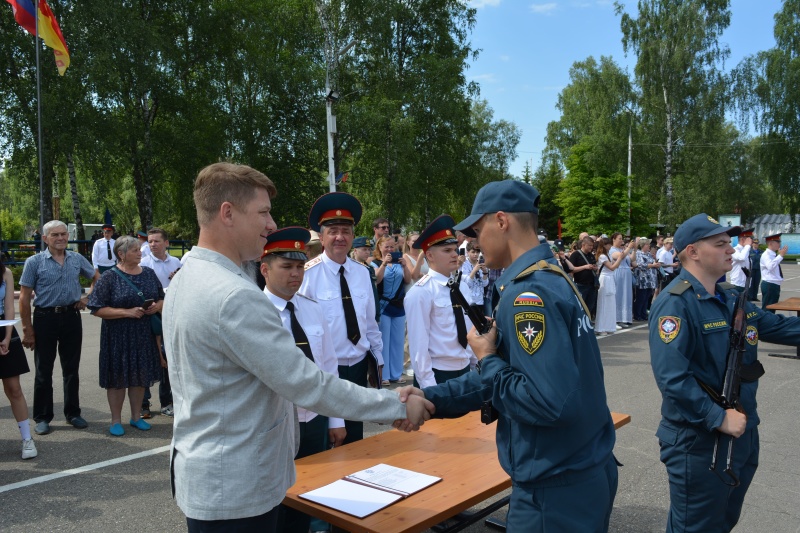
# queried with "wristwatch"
point(478, 365)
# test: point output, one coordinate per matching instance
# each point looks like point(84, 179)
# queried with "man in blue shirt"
point(54, 275)
point(690, 325)
point(540, 367)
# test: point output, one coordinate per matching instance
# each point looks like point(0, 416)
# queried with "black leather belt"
point(57, 309)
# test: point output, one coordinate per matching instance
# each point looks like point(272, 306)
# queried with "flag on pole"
point(48, 28)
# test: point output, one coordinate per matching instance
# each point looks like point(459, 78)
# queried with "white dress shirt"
point(100, 253)
point(309, 314)
point(665, 257)
point(162, 268)
point(740, 259)
point(145, 249)
point(321, 284)
point(770, 267)
point(432, 334)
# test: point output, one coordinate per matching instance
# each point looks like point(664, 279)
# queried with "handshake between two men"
point(418, 408)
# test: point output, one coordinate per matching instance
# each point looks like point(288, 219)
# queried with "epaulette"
point(727, 285)
point(306, 297)
point(423, 280)
point(358, 263)
point(314, 262)
point(680, 288)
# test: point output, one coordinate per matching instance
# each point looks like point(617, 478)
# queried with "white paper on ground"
point(351, 498)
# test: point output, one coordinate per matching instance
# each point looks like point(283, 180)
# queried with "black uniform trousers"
point(63, 332)
point(354, 374)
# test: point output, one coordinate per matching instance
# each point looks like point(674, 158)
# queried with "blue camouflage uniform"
point(689, 337)
point(555, 434)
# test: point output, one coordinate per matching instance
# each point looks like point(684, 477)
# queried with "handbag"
point(155, 319)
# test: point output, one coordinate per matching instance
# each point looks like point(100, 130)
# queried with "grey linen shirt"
point(235, 373)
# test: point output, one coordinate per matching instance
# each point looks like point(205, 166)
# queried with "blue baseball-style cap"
point(288, 242)
point(438, 232)
point(363, 242)
point(511, 196)
point(334, 208)
point(698, 228)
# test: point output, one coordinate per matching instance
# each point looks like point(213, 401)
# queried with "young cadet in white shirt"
point(282, 266)
point(438, 352)
point(771, 273)
point(102, 256)
point(332, 274)
point(741, 258)
point(144, 245)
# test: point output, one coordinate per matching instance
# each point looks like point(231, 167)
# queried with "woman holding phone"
point(126, 297)
point(392, 272)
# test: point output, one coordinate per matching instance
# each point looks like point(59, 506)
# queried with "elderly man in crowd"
point(54, 275)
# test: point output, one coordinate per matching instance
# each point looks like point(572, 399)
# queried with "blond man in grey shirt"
point(236, 371)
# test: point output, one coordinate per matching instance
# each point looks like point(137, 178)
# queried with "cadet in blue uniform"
point(689, 328)
point(540, 366)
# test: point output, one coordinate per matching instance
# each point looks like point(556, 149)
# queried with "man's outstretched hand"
point(418, 409)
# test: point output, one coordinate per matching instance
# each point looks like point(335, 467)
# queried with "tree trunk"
point(76, 206)
point(142, 164)
point(668, 150)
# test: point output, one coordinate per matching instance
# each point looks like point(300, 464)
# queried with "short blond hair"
point(227, 182)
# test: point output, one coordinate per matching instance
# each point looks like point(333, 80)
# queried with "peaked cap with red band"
point(288, 242)
point(438, 233)
point(334, 208)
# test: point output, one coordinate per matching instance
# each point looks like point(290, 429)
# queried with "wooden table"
point(461, 451)
point(790, 304)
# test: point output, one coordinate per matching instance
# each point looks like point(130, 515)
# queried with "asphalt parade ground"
point(88, 481)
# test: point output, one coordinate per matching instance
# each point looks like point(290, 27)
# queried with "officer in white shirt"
point(102, 256)
point(282, 266)
point(343, 289)
point(437, 343)
point(771, 273)
point(741, 258)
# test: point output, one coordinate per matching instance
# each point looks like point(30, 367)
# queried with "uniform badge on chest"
point(530, 330)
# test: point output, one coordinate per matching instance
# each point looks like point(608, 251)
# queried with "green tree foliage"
point(678, 48)
point(594, 202)
point(155, 92)
point(766, 90)
point(547, 180)
point(597, 106)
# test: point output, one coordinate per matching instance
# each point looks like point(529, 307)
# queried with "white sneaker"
point(29, 449)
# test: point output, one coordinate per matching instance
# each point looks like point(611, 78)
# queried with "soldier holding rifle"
point(690, 334)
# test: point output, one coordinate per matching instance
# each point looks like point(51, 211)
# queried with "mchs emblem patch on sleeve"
point(668, 328)
point(530, 330)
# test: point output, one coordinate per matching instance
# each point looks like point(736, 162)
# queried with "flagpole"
point(39, 119)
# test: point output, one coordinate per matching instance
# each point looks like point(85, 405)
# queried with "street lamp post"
point(332, 96)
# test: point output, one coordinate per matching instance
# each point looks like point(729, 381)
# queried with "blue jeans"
point(393, 332)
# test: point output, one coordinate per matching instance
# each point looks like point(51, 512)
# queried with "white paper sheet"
point(351, 498)
point(4, 323)
point(393, 478)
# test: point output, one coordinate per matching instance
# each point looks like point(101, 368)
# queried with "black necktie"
point(108, 247)
point(461, 326)
point(299, 335)
point(353, 333)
